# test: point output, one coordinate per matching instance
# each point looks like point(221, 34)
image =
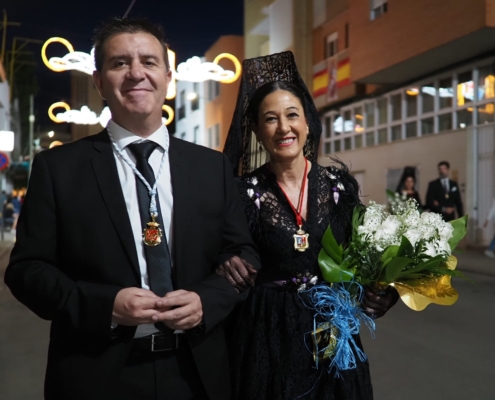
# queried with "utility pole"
point(14, 52)
point(31, 135)
point(3, 27)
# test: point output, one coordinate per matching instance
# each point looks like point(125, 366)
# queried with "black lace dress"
point(271, 351)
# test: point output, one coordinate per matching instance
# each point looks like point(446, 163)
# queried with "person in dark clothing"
point(443, 195)
point(407, 185)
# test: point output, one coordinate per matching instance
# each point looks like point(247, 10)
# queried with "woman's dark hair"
point(409, 172)
point(116, 26)
point(265, 90)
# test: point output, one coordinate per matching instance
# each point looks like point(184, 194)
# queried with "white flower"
point(445, 231)
point(250, 192)
point(443, 247)
point(391, 225)
point(413, 234)
point(429, 218)
point(430, 250)
point(428, 232)
point(411, 218)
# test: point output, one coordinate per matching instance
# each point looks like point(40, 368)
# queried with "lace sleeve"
point(345, 193)
point(250, 196)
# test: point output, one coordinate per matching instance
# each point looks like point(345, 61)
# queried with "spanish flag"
point(343, 73)
point(320, 83)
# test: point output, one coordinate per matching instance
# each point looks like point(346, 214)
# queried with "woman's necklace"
point(301, 242)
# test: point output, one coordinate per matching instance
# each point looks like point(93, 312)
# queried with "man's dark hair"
point(115, 26)
point(265, 90)
point(446, 163)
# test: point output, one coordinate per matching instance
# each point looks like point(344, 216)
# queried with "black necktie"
point(157, 257)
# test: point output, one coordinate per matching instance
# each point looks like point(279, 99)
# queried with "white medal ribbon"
point(151, 190)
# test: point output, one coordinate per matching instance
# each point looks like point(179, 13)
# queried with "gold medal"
point(301, 242)
point(152, 235)
point(446, 195)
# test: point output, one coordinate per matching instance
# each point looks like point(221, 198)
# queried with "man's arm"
point(458, 202)
point(33, 274)
point(431, 202)
point(218, 296)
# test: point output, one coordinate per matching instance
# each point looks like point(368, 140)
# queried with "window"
point(427, 126)
point(183, 135)
point(196, 134)
point(370, 139)
point(486, 114)
point(195, 101)
point(182, 105)
point(396, 104)
point(348, 125)
point(336, 146)
point(445, 122)
point(382, 136)
point(370, 115)
point(428, 93)
point(328, 148)
point(331, 45)
point(486, 84)
point(348, 143)
point(358, 141)
point(213, 89)
point(465, 118)
point(328, 127)
point(358, 120)
point(382, 111)
point(396, 133)
point(378, 7)
point(338, 125)
point(412, 102)
point(446, 93)
point(465, 88)
point(411, 129)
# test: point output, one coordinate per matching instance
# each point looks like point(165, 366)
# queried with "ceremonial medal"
point(301, 242)
point(152, 235)
point(446, 195)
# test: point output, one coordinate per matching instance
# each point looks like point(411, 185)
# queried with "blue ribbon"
point(339, 305)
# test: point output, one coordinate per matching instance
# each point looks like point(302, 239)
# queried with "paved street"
point(440, 353)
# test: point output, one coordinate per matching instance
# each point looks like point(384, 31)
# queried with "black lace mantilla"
point(271, 359)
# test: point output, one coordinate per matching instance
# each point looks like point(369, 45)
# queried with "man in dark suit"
point(443, 194)
point(124, 268)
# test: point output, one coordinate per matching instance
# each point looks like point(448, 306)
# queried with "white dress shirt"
point(127, 177)
point(446, 184)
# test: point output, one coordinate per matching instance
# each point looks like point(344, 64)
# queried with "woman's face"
point(409, 183)
point(282, 128)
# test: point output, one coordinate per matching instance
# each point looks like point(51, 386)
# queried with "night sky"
point(191, 27)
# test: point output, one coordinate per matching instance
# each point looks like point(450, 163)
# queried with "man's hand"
point(134, 306)
point(238, 272)
point(179, 309)
point(376, 305)
point(449, 210)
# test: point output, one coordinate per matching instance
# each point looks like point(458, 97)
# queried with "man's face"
point(134, 78)
point(443, 171)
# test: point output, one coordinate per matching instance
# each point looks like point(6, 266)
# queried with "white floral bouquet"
point(396, 199)
point(405, 249)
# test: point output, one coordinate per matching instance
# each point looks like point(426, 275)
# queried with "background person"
point(443, 195)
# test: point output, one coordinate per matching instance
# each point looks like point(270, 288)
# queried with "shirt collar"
point(122, 137)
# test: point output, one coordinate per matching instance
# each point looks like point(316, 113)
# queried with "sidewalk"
point(476, 262)
point(6, 244)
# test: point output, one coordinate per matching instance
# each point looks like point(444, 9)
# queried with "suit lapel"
point(181, 186)
point(107, 177)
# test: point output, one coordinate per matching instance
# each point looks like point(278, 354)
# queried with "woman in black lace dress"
point(271, 347)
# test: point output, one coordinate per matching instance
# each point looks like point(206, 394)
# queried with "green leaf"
point(390, 194)
point(331, 246)
point(406, 249)
point(428, 265)
point(331, 271)
point(389, 253)
point(395, 268)
point(460, 229)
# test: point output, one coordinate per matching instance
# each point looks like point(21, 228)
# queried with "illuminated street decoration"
point(85, 116)
point(192, 70)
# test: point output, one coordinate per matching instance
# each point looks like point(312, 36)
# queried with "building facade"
point(397, 88)
point(204, 110)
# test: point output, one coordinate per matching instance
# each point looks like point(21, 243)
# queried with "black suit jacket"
point(75, 251)
point(437, 193)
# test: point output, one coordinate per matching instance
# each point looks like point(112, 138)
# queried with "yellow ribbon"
point(417, 295)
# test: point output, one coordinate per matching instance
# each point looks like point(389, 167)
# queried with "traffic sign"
point(4, 161)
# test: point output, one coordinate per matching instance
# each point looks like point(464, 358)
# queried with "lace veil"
point(239, 147)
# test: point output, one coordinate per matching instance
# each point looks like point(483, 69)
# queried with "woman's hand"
point(238, 272)
point(377, 304)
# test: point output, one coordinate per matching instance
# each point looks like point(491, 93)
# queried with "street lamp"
point(51, 134)
point(192, 96)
